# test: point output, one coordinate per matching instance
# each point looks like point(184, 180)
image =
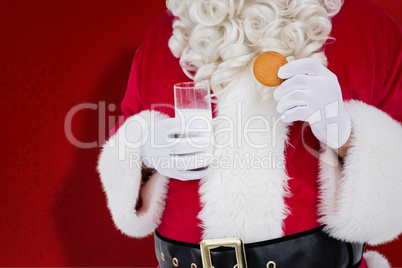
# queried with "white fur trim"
point(362, 202)
point(376, 260)
point(246, 202)
point(120, 171)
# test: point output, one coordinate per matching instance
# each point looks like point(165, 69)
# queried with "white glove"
point(312, 93)
point(177, 150)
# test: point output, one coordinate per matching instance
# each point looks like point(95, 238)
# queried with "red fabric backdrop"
point(66, 63)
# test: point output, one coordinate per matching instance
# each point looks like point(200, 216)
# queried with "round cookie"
point(266, 67)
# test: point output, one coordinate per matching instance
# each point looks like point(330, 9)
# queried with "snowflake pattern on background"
point(51, 14)
point(33, 80)
point(61, 205)
point(31, 241)
point(9, 212)
point(4, 249)
point(13, 24)
point(23, 165)
point(87, 245)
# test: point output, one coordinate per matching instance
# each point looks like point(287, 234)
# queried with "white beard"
point(216, 39)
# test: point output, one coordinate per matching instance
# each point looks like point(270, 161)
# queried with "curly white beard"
point(217, 39)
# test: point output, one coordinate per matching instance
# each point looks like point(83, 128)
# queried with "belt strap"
point(310, 249)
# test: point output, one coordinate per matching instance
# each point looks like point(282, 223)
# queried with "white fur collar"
point(244, 195)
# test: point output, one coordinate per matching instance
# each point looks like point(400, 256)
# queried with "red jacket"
point(366, 57)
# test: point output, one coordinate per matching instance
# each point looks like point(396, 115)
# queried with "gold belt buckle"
point(236, 243)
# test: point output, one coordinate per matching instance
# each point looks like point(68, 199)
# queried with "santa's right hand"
point(178, 150)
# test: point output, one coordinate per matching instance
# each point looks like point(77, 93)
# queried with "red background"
point(55, 55)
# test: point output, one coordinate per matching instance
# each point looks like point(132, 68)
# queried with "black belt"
point(310, 249)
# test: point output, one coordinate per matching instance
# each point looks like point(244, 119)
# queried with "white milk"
point(196, 119)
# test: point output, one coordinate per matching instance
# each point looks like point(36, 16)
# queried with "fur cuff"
point(361, 201)
point(376, 260)
point(119, 167)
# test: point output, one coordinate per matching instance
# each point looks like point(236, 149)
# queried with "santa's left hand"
point(312, 93)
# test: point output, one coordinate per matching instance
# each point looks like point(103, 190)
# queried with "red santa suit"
point(304, 185)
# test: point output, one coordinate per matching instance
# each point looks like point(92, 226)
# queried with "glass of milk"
point(193, 106)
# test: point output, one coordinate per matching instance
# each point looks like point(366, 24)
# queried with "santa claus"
point(331, 133)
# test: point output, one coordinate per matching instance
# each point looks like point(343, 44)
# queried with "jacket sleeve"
point(361, 199)
point(135, 205)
